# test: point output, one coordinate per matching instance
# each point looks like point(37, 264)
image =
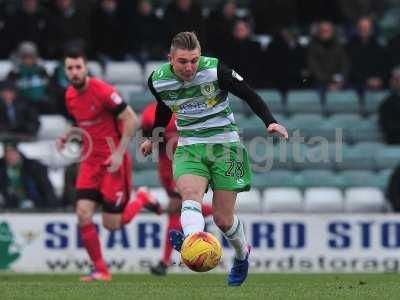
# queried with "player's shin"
point(91, 242)
point(236, 238)
point(192, 219)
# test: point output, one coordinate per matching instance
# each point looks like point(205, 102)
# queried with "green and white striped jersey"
point(202, 108)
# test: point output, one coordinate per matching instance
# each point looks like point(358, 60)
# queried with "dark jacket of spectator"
point(16, 115)
point(393, 189)
point(327, 60)
point(364, 49)
point(368, 60)
point(68, 25)
point(243, 55)
point(147, 34)
point(286, 63)
point(31, 21)
point(219, 26)
point(24, 180)
point(7, 31)
point(389, 112)
point(184, 15)
point(394, 52)
point(56, 89)
point(108, 31)
point(273, 15)
point(389, 121)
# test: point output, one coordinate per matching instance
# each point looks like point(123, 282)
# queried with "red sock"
point(174, 222)
point(132, 209)
point(91, 242)
point(206, 210)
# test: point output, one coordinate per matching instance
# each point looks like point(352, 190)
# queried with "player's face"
point(185, 62)
point(76, 71)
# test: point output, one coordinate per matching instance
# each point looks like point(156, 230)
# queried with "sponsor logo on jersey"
point(211, 102)
point(193, 107)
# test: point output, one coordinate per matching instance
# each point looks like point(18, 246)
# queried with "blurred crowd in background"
point(282, 44)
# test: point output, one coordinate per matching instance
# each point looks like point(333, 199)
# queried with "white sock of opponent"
point(192, 219)
point(235, 237)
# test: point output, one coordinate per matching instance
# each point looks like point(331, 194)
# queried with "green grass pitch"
point(202, 286)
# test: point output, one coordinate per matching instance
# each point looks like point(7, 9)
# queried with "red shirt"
point(148, 117)
point(95, 110)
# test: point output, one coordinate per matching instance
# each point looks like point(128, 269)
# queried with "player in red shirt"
point(106, 125)
point(165, 155)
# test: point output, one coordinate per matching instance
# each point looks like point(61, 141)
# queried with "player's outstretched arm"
point(129, 122)
point(232, 82)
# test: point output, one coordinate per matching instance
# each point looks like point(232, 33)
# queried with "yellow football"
point(201, 251)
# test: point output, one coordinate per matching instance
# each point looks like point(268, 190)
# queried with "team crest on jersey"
point(207, 89)
point(116, 98)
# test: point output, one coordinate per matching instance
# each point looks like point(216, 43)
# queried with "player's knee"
point(84, 215)
point(224, 223)
point(111, 226)
point(190, 193)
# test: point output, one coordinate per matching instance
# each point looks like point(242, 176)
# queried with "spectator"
point(146, 34)
point(285, 60)
point(31, 77)
point(389, 111)
point(364, 49)
point(7, 30)
point(68, 25)
point(219, 26)
point(31, 21)
point(56, 89)
point(24, 182)
point(107, 31)
point(327, 59)
point(243, 53)
point(16, 116)
point(183, 15)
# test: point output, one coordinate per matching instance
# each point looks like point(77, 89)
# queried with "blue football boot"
point(176, 237)
point(239, 270)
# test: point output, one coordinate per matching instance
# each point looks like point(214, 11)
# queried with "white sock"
point(235, 237)
point(192, 219)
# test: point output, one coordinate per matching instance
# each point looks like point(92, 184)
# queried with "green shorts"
point(226, 166)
